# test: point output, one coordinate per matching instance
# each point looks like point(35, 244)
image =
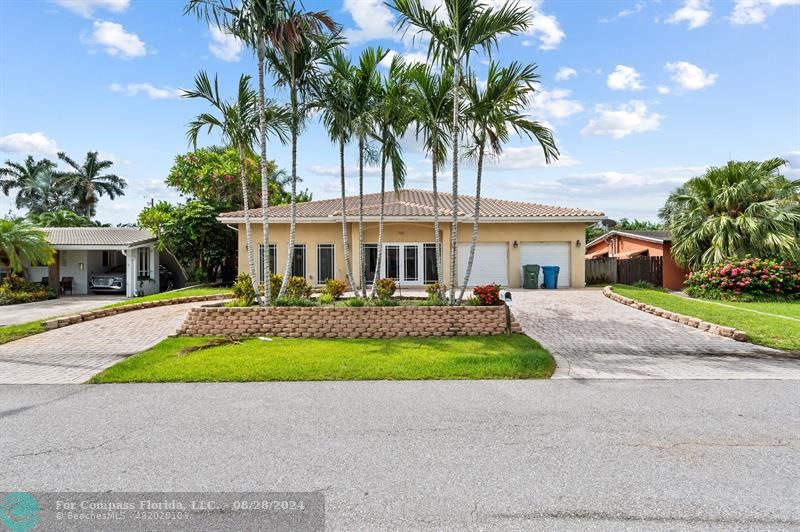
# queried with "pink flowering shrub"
point(747, 279)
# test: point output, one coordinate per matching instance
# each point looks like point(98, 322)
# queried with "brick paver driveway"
point(592, 337)
point(73, 354)
point(63, 306)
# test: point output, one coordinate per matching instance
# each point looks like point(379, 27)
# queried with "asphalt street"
point(542, 455)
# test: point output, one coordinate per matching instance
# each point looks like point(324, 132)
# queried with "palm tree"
point(333, 98)
point(21, 243)
point(392, 117)
point(263, 23)
point(87, 182)
point(61, 218)
point(492, 114)
point(237, 122)
point(296, 67)
point(365, 89)
point(37, 184)
point(431, 106)
point(465, 26)
point(742, 208)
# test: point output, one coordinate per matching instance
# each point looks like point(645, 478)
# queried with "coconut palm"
point(297, 67)
point(742, 208)
point(453, 36)
point(392, 117)
point(87, 182)
point(431, 105)
point(22, 243)
point(237, 123)
point(37, 184)
point(492, 114)
point(334, 99)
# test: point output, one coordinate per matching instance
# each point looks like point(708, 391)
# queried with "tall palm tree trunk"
point(293, 205)
point(437, 239)
point(380, 224)
point(362, 262)
point(248, 233)
point(454, 221)
point(476, 215)
point(262, 125)
point(348, 267)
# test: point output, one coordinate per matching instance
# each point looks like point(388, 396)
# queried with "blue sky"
point(641, 94)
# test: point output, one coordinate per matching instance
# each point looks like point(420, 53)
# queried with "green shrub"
point(334, 287)
point(294, 302)
point(325, 298)
point(749, 279)
point(385, 288)
point(355, 302)
point(473, 301)
point(388, 302)
point(243, 292)
point(14, 289)
point(297, 288)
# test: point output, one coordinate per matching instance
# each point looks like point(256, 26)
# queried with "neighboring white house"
point(83, 251)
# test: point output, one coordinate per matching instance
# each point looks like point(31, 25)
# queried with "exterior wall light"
point(578, 243)
point(516, 244)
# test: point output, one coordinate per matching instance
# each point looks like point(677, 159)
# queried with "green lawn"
point(9, 333)
point(777, 330)
point(173, 294)
point(296, 359)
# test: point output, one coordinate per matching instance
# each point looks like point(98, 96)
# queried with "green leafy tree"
point(21, 243)
point(87, 182)
point(742, 208)
point(37, 185)
point(61, 218)
point(637, 225)
point(454, 33)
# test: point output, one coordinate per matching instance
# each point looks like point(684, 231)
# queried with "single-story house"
point(624, 244)
point(512, 234)
point(83, 251)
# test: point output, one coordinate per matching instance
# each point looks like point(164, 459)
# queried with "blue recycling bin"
point(550, 276)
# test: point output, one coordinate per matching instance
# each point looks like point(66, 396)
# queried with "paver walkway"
point(42, 310)
point(592, 337)
point(73, 354)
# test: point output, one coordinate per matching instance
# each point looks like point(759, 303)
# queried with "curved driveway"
point(73, 354)
point(592, 337)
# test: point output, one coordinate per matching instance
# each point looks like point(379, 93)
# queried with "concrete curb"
point(728, 332)
point(57, 323)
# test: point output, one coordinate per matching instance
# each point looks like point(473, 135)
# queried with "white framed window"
point(144, 263)
point(326, 261)
point(299, 261)
point(273, 260)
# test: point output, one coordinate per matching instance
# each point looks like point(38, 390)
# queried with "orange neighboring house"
point(627, 244)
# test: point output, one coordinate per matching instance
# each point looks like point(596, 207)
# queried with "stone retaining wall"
point(713, 328)
point(63, 321)
point(346, 322)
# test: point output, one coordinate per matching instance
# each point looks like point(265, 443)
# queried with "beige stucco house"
point(512, 233)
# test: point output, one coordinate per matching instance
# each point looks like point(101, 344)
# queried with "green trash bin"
point(530, 276)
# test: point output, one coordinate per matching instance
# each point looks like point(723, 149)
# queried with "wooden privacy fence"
point(626, 271)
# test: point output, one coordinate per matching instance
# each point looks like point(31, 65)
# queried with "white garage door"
point(490, 265)
point(547, 254)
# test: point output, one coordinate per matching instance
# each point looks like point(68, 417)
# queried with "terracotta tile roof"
point(415, 202)
point(96, 236)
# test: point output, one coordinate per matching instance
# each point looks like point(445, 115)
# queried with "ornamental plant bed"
point(749, 279)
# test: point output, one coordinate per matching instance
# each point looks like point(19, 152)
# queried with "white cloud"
point(554, 104)
point(632, 11)
point(542, 26)
point(663, 89)
point(223, 45)
point(374, 20)
point(756, 11)
point(525, 158)
point(350, 171)
point(625, 78)
point(152, 92)
point(408, 57)
point(690, 77)
point(626, 119)
point(792, 170)
point(86, 8)
point(695, 12)
point(564, 73)
point(115, 40)
point(29, 143)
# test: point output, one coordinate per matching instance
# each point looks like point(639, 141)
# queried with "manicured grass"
point(9, 333)
point(173, 294)
point(772, 331)
point(296, 359)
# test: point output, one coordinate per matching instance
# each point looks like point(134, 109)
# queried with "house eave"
point(103, 247)
point(629, 235)
point(421, 219)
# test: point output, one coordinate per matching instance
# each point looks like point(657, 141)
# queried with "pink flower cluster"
point(754, 276)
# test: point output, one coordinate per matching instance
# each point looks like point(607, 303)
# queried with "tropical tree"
point(431, 105)
point(392, 117)
point(333, 97)
point(296, 66)
point(742, 208)
point(61, 218)
point(87, 182)
point(453, 36)
point(21, 243)
point(492, 114)
point(237, 122)
point(37, 184)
